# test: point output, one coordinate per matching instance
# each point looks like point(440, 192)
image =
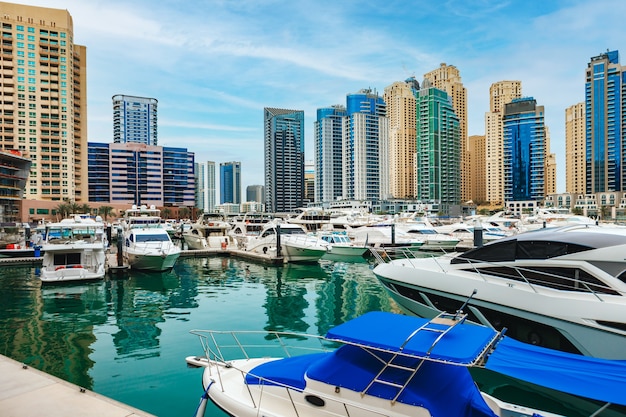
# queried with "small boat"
point(561, 288)
point(340, 245)
point(74, 249)
point(211, 230)
point(147, 246)
point(295, 244)
point(388, 364)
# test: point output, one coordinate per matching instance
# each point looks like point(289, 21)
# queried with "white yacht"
point(74, 249)
point(295, 244)
point(147, 246)
point(340, 245)
point(562, 288)
point(211, 230)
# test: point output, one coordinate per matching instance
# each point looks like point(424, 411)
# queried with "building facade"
point(230, 182)
point(14, 171)
point(135, 120)
point(283, 159)
point(43, 91)
point(478, 168)
point(438, 150)
point(400, 98)
point(205, 186)
point(605, 119)
point(142, 174)
point(365, 147)
point(524, 151)
point(500, 94)
point(575, 169)
point(328, 157)
point(255, 193)
point(448, 79)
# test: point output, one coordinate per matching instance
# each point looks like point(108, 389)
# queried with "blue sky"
point(214, 65)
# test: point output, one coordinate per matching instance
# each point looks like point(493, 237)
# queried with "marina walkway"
point(26, 391)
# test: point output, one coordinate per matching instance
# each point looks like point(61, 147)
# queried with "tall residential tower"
point(135, 120)
point(328, 159)
point(230, 182)
point(284, 159)
point(575, 149)
point(43, 91)
point(400, 98)
point(605, 120)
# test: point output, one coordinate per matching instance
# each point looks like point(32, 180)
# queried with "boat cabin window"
point(67, 259)
point(510, 250)
point(563, 279)
point(292, 231)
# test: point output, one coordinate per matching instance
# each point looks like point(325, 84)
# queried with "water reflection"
point(115, 335)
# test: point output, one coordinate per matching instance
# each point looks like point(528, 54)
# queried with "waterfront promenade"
point(26, 391)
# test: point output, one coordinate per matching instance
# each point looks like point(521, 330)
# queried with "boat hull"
point(302, 254)
point(425, 289)
point(152, 262)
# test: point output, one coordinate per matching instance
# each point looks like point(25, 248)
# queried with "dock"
point(26, 391)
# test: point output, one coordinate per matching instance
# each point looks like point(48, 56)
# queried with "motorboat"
point(386, 364)
point(562, 288)
point(382, 235)
point(74, 249)
point(248, 226)
point(147, 245)
point(211, 230)
point(340, 245)
point(288, 240)
point(468, 232)
point(420, 228)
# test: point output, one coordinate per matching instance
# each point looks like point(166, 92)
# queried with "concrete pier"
point(26, 391)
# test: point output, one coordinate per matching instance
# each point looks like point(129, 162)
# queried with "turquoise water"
point(128, 338)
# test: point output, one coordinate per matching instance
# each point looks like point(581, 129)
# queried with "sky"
point(213, 65)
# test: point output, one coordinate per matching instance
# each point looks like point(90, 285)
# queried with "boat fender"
point(203, 402)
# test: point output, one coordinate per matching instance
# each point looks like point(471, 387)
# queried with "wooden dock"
point(26, 391)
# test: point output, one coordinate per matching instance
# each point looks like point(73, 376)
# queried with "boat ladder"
point(441, 324)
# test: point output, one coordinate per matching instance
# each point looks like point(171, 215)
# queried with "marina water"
point(127, 338)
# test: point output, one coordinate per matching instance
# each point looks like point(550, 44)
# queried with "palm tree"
point(165, 213)
point(183, 212)
point(105, 211)
point(84, 209)
point(62, 210)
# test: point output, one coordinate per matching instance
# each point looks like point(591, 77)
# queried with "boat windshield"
point(152, 238)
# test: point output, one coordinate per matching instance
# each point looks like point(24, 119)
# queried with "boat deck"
point(26, 391)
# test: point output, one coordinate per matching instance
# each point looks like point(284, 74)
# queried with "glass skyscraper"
point(230, 182)
point(524, 150)
point(284, 159)
point(438, 149)
point(605, 120)
point(328, 160)
point(135, 120)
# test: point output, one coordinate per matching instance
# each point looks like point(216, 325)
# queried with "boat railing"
point(384, 255)
point(218, 346)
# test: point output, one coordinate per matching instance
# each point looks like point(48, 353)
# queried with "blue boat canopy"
point(413, 336)
point(594, 378)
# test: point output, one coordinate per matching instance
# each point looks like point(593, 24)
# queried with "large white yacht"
point(147, 246)
point(74, 249)
point(211, 230)
point(562, 288)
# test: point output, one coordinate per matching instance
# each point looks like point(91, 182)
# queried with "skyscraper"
point(605, 119)
point(524, 150)
point(438, 149)
point(255, 193)
point(134, 120)
point(328, 159)
point(230, 182)
point(44, 96)
point(365, 147)
point(205, 186)
point(575, 149)
point(400, 98)
point(500, 94)
point(284, 159)
point(448, 79)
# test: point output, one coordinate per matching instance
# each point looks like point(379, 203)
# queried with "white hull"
point(418, 285)
point(303, 249)
point(152, 261)
point(350, 251)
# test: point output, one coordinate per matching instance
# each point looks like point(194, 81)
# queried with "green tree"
point(183, 212)
point(105, 211)
point(62, 211)
point(166, 213)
